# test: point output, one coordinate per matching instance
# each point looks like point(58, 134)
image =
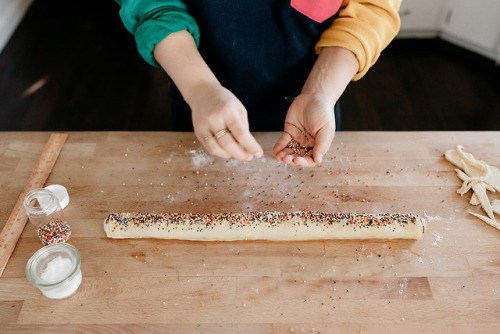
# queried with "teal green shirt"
point(150, 21)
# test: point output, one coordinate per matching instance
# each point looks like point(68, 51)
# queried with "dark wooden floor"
point(75, 67)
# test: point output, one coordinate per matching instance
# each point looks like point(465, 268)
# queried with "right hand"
point(219, 119)
point(215, 110)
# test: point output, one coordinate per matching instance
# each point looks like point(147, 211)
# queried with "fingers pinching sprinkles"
point(297, 148)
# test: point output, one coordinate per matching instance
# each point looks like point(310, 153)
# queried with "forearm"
point(178, 56)
point(150, 21)
point(332, 72)
point(364, 27)
point(219, 119)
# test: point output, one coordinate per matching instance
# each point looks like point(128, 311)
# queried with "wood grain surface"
point(446, 282)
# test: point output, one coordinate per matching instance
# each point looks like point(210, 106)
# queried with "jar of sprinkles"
point(46, 215)
point(55, 270)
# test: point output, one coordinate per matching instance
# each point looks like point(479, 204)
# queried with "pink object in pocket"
point(317, 10)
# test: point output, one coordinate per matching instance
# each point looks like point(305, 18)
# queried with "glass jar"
point(45, 213)
point(55, 270)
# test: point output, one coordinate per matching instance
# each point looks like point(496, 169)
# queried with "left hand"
point(310, 121)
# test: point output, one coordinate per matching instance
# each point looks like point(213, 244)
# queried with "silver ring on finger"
point(221, 133)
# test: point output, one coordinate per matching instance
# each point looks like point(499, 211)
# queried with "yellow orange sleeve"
point(364, 27)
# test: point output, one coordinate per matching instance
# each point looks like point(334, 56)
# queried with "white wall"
point(11, 14)
point(421, 18)
point(474, 25)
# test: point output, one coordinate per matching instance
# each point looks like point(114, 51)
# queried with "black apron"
point(261, 50)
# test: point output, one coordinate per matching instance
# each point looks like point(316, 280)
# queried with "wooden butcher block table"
point(446, 282)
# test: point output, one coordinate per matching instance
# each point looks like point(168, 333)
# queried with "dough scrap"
point(473, 167)
point(479, 191)
point(479, 177)
point(495, 205)
point(274, 226)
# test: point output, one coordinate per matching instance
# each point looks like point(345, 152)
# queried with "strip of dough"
point(274, 226)
point(495, 205)
point(487, 220)
point(479, 188)
point(474, 167)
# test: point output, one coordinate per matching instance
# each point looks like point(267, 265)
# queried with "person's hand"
point(219, 119)
point(221, 124)
point(310, 123)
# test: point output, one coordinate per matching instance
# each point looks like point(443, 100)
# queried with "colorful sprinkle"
point(297, 148)
point(266, 219)
point(54, 232)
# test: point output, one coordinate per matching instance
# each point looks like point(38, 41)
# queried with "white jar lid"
point(61, 193)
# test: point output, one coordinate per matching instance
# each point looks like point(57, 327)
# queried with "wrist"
point(200, 91)
point(178, 56)
point(332, 72)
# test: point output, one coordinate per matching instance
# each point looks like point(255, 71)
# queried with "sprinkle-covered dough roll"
point(274, 226)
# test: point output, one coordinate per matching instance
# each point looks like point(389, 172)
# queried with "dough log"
point(273, 226)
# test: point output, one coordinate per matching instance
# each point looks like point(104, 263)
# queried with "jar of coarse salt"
point(55, 270)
